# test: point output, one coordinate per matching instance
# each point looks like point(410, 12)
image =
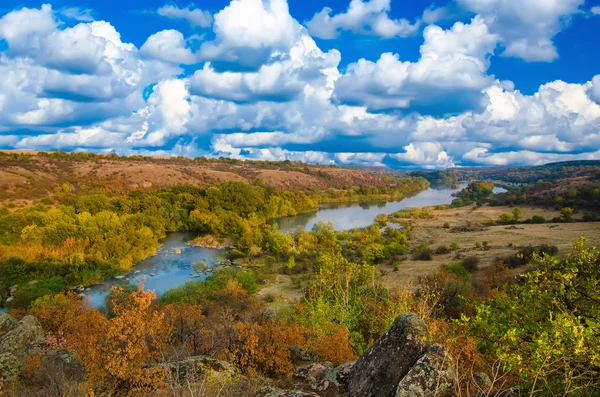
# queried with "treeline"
point(85, 239)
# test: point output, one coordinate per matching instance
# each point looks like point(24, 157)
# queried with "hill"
point(30, 176)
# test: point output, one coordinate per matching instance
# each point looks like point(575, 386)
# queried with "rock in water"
point(432, 376)
point(379, 371)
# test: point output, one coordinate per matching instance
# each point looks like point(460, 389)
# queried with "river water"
point(172, 264)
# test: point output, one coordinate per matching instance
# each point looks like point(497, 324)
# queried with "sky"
point(408, 84)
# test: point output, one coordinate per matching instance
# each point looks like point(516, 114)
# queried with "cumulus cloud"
point(168, 46)
point(249, 32)
point(263, 89)
point(526, 27)
point(363, 17)
point(595, 10)
point(194, 16)
point(453, 64)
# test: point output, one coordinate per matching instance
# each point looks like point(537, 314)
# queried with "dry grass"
point(432, 232)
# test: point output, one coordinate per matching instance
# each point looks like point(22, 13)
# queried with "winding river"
point(172, 264)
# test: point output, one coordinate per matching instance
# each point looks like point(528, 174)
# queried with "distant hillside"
point(514, 174)
point(29, 176)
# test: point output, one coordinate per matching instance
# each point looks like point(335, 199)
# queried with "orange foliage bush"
point(117, 353)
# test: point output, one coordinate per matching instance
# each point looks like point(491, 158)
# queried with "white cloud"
point(77, 13)
point(426, 154)
point(364, 17)
point(594, 89)
point(526, 26)
point(25, 27)
point(194, 16)
point(453, 63)
point(249, 32)
point(168, 46)
point(595, 10)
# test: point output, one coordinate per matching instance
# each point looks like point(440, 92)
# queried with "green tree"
point(566, 213)
point(516, 213)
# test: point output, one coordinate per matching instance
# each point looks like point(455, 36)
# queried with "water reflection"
point(355, 215)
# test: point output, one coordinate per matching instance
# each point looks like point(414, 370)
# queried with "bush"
point(470, 263)
point(442, 249)
point(538, 219)
point(396, 266)
point(454, 246)
point(446, 225)
point(477, 245)
point(422, 252)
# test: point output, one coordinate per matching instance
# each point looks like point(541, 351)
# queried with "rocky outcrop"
point(379, 371)
point(432, 376)
point(24, 338)
point(198, 364)
point(20, 339)
point(7, 323)
point(336, 378)
point(269, 391)
point(313, 373)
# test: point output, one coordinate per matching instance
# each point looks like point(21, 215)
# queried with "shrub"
point(396, 266)
point(422, 252)
point(505, 218)
point(442, 249)
point(538, 219)
point(477, 245)
point(446, 225)
point(470, 263)
point(454, 246)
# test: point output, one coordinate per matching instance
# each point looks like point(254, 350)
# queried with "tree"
point(516, 213)
point(546, 329)
point(505, 218)
point(566, 213)
point(117, 353)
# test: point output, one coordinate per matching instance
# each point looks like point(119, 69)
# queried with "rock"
point(300, 354)
point(25, 337)
point(13, 289)
point(379, 370)
point(314, 372)
point(432, 376)
point(7, 323)
point(119, 277)
point(80, 288)
point(32, 282)
point(10, 367)
point(268, 391)
point(336, 378)
point(199, 364)
point(481, 381)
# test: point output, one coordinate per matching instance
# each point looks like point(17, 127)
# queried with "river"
point(172, 264)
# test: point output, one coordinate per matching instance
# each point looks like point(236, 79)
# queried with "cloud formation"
point(193, 16)
point(260, 87)
point(365, 17)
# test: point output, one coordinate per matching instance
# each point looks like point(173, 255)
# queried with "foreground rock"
point(432, 376)
point(24, 338)
point(379, 371)
point(7, 323)
point(269, 391)
point(336, 378)
point(313, 373)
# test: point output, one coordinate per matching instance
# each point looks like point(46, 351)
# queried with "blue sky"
point(405, 84)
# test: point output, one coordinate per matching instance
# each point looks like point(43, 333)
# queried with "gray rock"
point(336, 378)
point(10, 367)
point(199, 364)
point(481, 381)
point(7, 323)
point(269, 391)
point(378, 372)
point(300, 354)
point(24, 338)
point(432, 376)
point(313, 373)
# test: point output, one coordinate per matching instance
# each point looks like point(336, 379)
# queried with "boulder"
point(199, 364)
point(313, 373)
point(432, 376)
point(380, 369)
point(268, 391)
point(7, 323)
point(24, 338)
point(301, 354)
point(9, 368)
point(336, 378)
